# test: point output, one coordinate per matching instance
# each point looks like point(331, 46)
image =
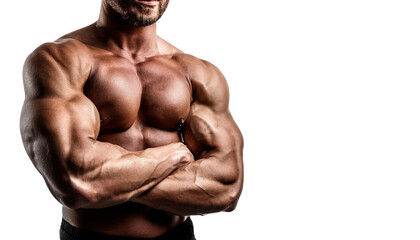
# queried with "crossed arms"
point(60, 126)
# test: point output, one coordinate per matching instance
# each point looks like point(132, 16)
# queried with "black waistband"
point(185, 231)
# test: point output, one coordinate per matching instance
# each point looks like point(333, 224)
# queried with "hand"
point(181, 154)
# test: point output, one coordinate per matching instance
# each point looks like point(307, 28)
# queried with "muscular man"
point(130, 134)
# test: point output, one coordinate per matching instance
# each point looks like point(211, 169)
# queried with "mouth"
point(149, 3)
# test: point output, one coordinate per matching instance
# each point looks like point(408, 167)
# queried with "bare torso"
point(141, 104)
point(106, 108)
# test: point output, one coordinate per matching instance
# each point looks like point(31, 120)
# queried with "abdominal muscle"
point(129, 219)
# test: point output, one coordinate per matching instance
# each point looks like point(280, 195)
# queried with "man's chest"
point(155, 93)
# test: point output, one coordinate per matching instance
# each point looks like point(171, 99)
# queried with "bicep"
point(209, 124)
point(210, 131)
point(216, 141)
point(55, 111)
point(53, 129)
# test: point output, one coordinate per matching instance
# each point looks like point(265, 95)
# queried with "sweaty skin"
point(105, 111)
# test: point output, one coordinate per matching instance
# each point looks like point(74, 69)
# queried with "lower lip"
point(149, 3)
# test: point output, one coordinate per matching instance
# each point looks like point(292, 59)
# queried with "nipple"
point(179, 129)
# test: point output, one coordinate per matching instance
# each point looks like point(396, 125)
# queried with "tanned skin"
point(106, 110)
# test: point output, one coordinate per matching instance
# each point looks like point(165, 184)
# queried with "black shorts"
point(185, 231)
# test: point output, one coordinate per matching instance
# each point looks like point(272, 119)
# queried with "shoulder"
point(209, 84)
point(62, 50)
point(198, 69)
point(65, 61)
point(64, 46)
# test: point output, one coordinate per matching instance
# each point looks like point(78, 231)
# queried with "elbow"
point(232, 200)
point(229, 200)
point(232, 194)
point(83, 189)
point(71, 201)
point(73, 193)
point(231, 205)
point(80, 194)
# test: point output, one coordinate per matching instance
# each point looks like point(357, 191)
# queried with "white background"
point(325, 92)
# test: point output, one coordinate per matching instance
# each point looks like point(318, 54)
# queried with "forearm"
point(110, 175)
point(93, 174)
point(214, 182)
point(194, 189)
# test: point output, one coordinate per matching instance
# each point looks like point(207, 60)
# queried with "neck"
point(128, 41)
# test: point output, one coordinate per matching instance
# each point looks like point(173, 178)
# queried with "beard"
point(134, 14)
